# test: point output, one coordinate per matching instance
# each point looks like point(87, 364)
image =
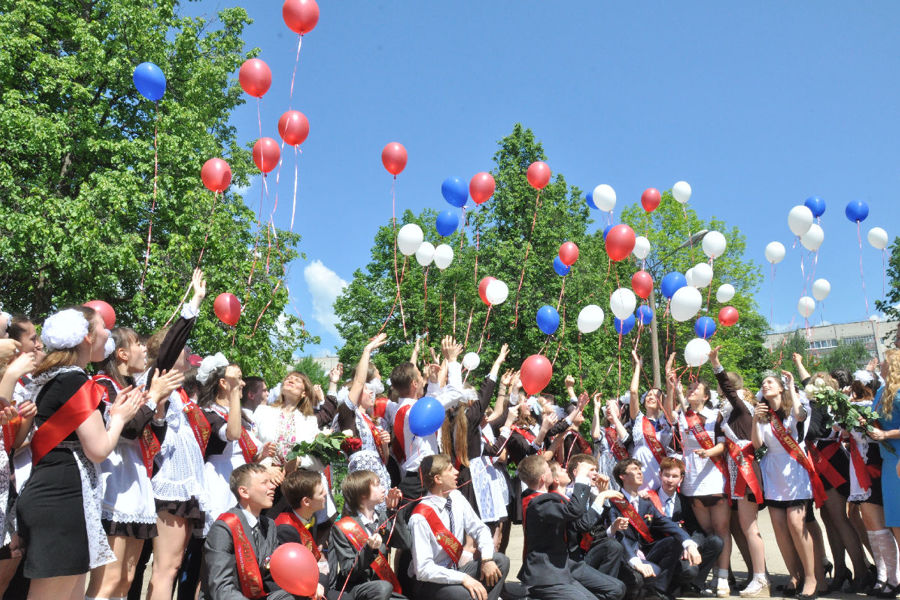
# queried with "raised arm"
point(801, 370)
point(359, 377)
point(671, 382)
point(634, 401)
point(597, 422)
point(796, 408)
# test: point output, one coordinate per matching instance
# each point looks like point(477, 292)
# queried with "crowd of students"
point(125, 462)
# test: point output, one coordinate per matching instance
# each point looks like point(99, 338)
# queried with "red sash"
point(376, 437)
point(64, 421)
point(248, 448)
point(148, 441)
point(702, 437)
point(444, 536)
point(864, 472)
point(822, 459)
point(653, 495)
point(380, 407)
point(525, 433)
point(248, 571)
point(659, 453)
point(398, 444)
point(10, 431)
point(289, 518)
point(197, 420)
point(615, 444)
point(627, 510)
point(743, 459)
point(793, 448)
point(358, 536)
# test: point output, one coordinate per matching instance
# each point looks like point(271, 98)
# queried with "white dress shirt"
point(429, 561)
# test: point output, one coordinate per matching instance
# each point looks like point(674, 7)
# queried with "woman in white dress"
point(706, 480)
point(786, 482)
point(648, 420)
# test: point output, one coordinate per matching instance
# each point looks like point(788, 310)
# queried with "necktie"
point(670, 507)
point(449, 508)
point(257, 537)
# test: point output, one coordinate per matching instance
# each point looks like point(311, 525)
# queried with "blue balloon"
point(455, 191)
point(671, 283)
point(560, 267)
point(623, 327)
point(705, 327)
point(606, 230)
point(446, 222)
point(149, 81)
point(547, 319)
point(816, 205)
point(590, 200)
point(426, 416)
point(857, 211)
point(644, 314)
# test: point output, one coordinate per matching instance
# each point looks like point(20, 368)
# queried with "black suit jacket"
point(219, 579)
point(659, 524)
point(593, 524)
point(342, 559)
point(683, 515)
point(546, 519)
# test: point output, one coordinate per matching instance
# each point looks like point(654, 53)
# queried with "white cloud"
point(324, 286)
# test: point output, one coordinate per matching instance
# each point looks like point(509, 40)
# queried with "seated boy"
point(305, 495)
point(366, 532)
point(438, 524)
point(229, 576)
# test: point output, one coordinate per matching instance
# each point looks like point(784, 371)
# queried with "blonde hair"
point(455, 435)
point(892, 384)
point(305, 404)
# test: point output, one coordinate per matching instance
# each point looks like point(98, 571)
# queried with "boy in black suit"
point(654, 544)
point(547, 569)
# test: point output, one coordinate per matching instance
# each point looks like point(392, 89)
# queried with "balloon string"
point(396, 275)
point(484, 328)
point(537, 204)
point(259, 116)
point(425, 301)
point(883, 270)
point(440, 312)
point(477, 240)
point(465, 224)
point(269, 227)
point(454, 314)
point(772, 296)
point(710, 287)
point(562, 290)
point(561, 337)
point(468, 328)
point(153, 204)
point(296, 178)
point(580, 374)
point(861, 274)
point(277, 284)
point(619, 357)
point(294, 75)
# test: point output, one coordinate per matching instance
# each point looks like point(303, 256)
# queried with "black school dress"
point(59, 507)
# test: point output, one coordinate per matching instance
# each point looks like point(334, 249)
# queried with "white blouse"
point(285, 430)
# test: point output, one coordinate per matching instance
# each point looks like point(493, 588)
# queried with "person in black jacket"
point(547, 569)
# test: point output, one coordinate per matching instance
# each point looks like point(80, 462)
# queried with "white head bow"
point(63, 330)
point(210, 364)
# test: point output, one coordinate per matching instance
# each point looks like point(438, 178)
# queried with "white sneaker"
point(722, 589)
point(756, 589)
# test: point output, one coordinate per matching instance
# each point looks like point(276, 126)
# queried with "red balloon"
point(394, 158)
point(294, 569)
point(266, 154)
point(619, 242)
point(293, 127)
point(255, 77)
point(482, 289)
point(538, 174)
point(642, 284)
point(650, 199)
point(300, 16)
point(728, 316)
point(216, 175)
point(228, 308)
point(106, 312)
point(535, 373)
point(568, 253)
point(481, 187)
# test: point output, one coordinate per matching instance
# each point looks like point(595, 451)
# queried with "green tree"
point(890, 306)
point(495, 242)
point(845, 356)
point(77, 173)
point(781, 356)
point(309, 367)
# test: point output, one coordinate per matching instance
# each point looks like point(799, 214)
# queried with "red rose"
point(351, 445)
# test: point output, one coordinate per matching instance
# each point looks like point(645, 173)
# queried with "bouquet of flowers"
point(841, 411)
point(351, 445)
point(325, 446)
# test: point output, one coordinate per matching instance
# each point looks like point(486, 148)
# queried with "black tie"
point(257, 536)
point(449, 508)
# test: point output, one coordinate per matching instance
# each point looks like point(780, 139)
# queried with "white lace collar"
point(37, 383)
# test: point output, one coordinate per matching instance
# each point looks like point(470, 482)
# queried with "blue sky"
point(758, 105)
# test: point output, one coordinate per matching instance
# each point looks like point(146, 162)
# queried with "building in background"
point(327, 362)
point(824, 338)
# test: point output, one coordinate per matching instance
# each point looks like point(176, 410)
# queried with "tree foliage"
point(495, 242)
point(890, 306)
point(309, 367)
point(77, 169)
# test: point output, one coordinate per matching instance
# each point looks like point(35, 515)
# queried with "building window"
point(822, 344)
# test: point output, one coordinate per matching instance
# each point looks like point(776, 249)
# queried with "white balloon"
point(604, 197)
point(590, 318)
point(725, 292)
point(681, 191)
point(813, 237)
point(685, 303)
point(820, 289)
point(774, 252)
point(471, 361)
point(806, 306)
point(622, 302)
point(641, 247)
point(878, 237)
point(443, 256)
point(496, 292)
point(799, 219)
point(714, 244)
point(689, 277)
point(703, 275)
point(696, 352)
point(425, 254)
point(409, 238)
